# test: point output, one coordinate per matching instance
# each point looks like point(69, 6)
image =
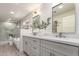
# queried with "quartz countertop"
point(70, 41)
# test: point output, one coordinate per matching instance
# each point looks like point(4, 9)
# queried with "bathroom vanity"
point(63, 21)
point(50, 46)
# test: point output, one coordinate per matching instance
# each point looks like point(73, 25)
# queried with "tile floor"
point(7, 50)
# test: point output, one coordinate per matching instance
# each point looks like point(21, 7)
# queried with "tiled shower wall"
point(76, 33)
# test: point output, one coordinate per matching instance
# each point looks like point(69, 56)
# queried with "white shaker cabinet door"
point(43, 52)
point(26, 45)
point(61, 49)
point(58, 54)
point(46, 52)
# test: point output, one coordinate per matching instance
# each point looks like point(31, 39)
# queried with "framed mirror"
point(63, 18)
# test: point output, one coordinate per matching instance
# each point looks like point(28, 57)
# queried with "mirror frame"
point(75, 20)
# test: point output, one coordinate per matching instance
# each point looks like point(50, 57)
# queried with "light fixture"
point(36, 12)
point(61, 6)
point(11, 12)
point(24, 23)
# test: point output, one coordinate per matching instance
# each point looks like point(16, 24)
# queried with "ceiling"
point(20, 10)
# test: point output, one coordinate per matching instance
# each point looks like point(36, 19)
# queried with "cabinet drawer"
point(62, 48)
point(25, 38)
point(58, 54)
point(36, 48)
point(34, 54)
point(48, 52)
point(44, 52)
point(35, 51)
point(35, 42)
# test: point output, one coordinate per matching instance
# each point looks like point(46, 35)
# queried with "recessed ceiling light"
point(11, 12)
point(61, 6)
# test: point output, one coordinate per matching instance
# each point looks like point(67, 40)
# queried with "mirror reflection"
point(64, 17)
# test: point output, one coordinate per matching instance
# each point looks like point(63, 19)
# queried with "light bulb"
point(11, 12)
point(61, 6)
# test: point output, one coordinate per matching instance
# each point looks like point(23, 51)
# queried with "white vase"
point(36, 31)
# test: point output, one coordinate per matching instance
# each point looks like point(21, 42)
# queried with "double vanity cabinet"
point(33, 46)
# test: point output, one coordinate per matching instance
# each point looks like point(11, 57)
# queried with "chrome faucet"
point(60, 35)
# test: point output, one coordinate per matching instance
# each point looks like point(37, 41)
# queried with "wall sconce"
point(36, 12)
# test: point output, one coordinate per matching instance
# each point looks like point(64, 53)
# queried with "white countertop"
point(70, 41)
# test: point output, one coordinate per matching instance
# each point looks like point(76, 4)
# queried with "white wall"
point(77, 18)
point(3, 33)
point(46, 12)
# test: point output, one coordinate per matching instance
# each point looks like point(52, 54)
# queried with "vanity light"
point(24, 23)
point(61, 6)
point(35, 12)
point(11, 12)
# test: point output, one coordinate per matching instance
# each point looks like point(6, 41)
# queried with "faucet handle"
point(56, 36)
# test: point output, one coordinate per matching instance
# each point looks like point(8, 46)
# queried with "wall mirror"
point(63, 17)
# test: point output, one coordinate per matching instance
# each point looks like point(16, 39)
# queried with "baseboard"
point(4, 42)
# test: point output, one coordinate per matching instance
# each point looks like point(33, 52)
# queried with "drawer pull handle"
point(26, 43)
point(34, 41)
point(34, 47)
